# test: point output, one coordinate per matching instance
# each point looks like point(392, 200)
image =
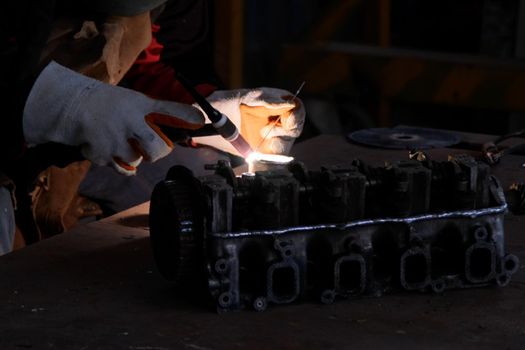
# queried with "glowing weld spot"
point(255, 160)
point(270, 158)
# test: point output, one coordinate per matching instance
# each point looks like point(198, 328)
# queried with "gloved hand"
point(112, 125)
point(267, 114)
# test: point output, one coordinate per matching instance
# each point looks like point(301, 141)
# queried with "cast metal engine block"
point(286, 235)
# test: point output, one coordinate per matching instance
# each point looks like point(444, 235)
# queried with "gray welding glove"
point(269, 119)
point(112, 125)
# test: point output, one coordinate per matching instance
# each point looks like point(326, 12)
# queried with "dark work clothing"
point(181, 43)
point(119, 7)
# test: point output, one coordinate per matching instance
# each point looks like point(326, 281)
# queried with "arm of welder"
point(112, 125)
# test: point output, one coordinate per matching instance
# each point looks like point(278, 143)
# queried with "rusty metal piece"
point(420, 156)
point(492, 154)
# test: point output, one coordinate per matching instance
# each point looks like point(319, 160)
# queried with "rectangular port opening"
point(480, 263)
point(284, 283)
point(415, 268)
point(350, 276)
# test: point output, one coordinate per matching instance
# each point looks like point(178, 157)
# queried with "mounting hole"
point(503, 280)
point(225, 299)
point(280, 245)
point(221, 266)
point(260, 304)
point(438, 286)
point(481, 233)
point(511, 264)
point(328, 296)
point(288, 252)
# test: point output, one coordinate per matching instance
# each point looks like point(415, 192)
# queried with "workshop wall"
point(444, 64)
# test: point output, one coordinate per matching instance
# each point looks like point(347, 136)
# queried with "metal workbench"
point(96, 287)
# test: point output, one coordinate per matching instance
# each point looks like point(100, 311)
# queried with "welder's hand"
point(267, 114)
point(112, 125)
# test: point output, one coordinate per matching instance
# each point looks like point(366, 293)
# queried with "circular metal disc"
point(404, 138)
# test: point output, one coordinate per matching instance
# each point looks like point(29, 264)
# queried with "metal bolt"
point(260, 304)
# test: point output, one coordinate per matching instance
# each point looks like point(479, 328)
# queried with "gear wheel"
point(177, 225)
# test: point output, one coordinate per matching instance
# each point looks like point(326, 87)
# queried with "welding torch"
point(219, 121)
point(220, 125)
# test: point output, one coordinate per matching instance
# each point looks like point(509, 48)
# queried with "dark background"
point(460, 60)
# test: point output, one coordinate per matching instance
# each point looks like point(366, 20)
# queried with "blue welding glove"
point(112, 125)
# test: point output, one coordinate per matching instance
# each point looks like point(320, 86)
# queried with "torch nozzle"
point(242, 146)
point(220, 122)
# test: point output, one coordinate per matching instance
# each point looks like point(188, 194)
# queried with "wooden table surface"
point(96, 287)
